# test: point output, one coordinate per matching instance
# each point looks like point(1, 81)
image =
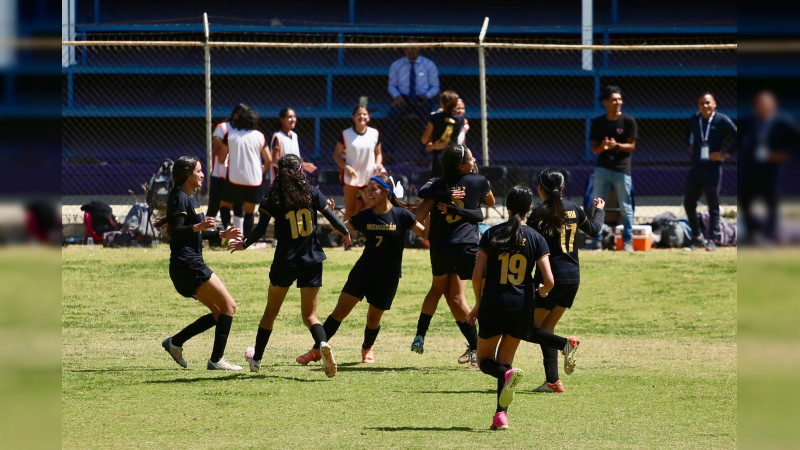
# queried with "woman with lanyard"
point(707, 132)
point(504, 297)
point(187, 227)
point(358, 155)
point(294, 204)
point(558, 220)
point(454, 241)
point(377, 272)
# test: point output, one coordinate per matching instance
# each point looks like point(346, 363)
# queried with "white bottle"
point(90, 241)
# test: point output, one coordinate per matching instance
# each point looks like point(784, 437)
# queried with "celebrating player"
point(444, 128)
point(377, 273)
point(558, 219)
point(187, 227)
point(504, 300)
point(294, 204)
point(454, 241)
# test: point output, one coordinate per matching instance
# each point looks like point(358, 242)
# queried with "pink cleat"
point(367, 357)
point(513, 377)
point(500, 421)
point(557, 387)
point(312, 355)
point(327, 359)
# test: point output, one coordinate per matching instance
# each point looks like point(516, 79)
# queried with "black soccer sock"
point(225, 217)
point(550, 361)
point(221, 333)
point(500, 383)
point(423, 323)
point(262, 337)
point(546, 338)
point(331, 326)
point(493, 368)
point(472, 336)
point(318, 333)
point(198, 326)
point(247, 227)
point(369, 337)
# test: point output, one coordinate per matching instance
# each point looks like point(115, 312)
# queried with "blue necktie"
point(412, 82)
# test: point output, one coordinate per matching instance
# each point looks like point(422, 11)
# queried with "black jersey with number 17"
point(449, 229)
point(509, 283)
point(563, 252)
point(386, 234)
point(295, 231)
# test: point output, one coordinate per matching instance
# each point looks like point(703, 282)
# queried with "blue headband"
point(383, 183)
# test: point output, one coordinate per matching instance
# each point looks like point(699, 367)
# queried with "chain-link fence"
point(128, 104)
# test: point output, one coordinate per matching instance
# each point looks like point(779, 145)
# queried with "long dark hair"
point(290, 190)
point(550, 216)
point(393, 198)
point(246, 120)
point(237, 110)
point(453, 157)
point(449, 100)
point(182, 169)
point(509, 238)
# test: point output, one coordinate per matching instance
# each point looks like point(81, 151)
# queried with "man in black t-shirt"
point(613, 137)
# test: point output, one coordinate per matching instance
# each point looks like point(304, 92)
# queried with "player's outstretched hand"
point(232, 233)
point(346, 240)
point(207, 224)
point(599, 203)
point(457, 195)
point(235, 245)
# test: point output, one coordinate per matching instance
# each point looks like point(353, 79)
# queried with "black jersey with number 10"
point(509, 282)
point(295, 231)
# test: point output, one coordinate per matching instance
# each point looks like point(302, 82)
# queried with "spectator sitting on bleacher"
point(613, 137)
point(411, 94)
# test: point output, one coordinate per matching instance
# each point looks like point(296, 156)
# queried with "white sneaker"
point(628, 247)
point(255, 365)
point(222, 364)
point(327, 359)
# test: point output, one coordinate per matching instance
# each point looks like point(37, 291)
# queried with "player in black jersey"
point(377, 272)
point(294, 204)
point(558, 219)
point(442, 130)
point(505, 294)
point(187, 227)
point(454, 239)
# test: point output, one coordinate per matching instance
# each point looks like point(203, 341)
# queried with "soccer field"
point(656, 366)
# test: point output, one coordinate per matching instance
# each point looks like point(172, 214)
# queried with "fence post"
point(207, 51)
point(482, 72)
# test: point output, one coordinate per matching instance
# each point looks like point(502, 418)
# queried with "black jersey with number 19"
point(509, 284)
point(295, 231)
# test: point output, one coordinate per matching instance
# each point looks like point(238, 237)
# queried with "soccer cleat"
point(513, 377)
point(500, 421)
point(222, 364)
point(473, 359)
point(710, 246)
point(569, 354)
point(557, 387)
point(367, 357)
point(312, 355)
point(174, 351)
point(463, 359)
point(327, 359)
point(419, 344)
point(255, 365)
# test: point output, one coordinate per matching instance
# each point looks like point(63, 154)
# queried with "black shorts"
point(187, 277)
point(455, 258)
point(235, 193)
point(379, 291)
point(517, 323)
point(263, 190)
point(306, 276)
point(561, 295)
point(215, 188)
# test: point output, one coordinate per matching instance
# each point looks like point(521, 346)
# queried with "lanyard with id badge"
point(704, 137)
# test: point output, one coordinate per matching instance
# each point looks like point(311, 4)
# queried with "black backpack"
point(102, 217)
point(159, 186)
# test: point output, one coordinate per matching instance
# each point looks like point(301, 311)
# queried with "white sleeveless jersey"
point(220, 169)
point(244, 156)
point(288, 145)
point(359, 153)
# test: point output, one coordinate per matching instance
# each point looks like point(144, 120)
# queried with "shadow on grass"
point(357, 366)
point(233, 376)
point(123, 369)
point(484, 391)
point(426, 429)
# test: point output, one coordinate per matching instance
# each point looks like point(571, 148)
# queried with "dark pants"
point(405, 146)
point(703, 180)
point(761, 180)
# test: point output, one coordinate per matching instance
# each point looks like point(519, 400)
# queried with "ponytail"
point(550, 217)
point(182, 169)
point(509, 239)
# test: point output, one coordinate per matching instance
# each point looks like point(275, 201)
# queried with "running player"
point(504, 297)
point(358, 155)
point(377, 272)
point(443, 129)
point(294, 204)
point(187, 227)
point(454, 241)
point(558, 219)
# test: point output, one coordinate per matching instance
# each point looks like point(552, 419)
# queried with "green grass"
point(657, 365)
